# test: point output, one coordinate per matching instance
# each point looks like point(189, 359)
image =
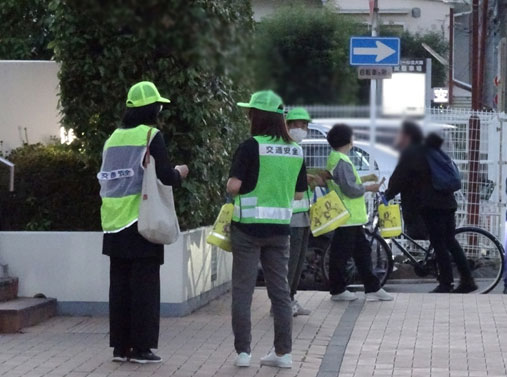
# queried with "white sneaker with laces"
point(380, 295)
point(344, 296)
point(243, 360)
point(273, 360)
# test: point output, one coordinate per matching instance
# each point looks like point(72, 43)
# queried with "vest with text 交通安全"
point(355, 206)
point(270, 202)
point(121, 177)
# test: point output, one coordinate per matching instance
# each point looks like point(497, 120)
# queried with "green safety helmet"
point(266, 100)
point(144, 93)
point(298, 113)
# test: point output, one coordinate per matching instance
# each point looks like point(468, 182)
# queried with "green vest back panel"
point(121, 177)
point(355, 206)
point(271, 200)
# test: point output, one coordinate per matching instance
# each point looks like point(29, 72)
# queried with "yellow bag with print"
point(389, 217)
point(327, 214)
point(221, 233)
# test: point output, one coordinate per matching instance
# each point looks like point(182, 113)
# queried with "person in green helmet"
point(297, 123)
point(267, 174)
point(134, 294)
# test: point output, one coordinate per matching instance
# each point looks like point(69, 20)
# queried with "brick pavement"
point(423, 335)
point(198, 345)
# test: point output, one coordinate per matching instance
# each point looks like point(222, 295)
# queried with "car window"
point(315, 134)
point(316, 156)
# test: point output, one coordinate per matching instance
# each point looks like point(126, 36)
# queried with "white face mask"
point(298, 134)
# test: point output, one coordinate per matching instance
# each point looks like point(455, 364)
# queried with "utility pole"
point(475, 56)
point(373, 92)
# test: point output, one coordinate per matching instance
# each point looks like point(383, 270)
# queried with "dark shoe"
point(442, 289)
point(144, 357)
point(505, 290)
point(465, 288)
point(119, 356)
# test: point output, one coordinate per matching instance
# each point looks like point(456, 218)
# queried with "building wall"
point(434, 13)
point(28, 103)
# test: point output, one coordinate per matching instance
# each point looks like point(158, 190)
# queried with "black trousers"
point(134, 303)
point(350, 241)
point(441, 225)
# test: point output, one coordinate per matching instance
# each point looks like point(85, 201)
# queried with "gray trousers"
point(298, 247)
point(273, 253)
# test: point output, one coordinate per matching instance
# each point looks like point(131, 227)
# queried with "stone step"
point(8, 288)
point(23, 312)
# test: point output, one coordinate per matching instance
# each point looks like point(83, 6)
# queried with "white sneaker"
point(297, 309)
point(380, 295)
point(344, 296)
point(273, 360)
point(243, 360)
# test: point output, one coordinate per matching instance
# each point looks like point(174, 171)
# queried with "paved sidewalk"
point(417, 335)
point(423, 335)
point(199, 345)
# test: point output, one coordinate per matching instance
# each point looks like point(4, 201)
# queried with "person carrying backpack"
point(427, 179)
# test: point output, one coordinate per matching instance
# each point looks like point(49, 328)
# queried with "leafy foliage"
point(194, 51)
point(56, 189)
point(302, 53)
point(25, 30)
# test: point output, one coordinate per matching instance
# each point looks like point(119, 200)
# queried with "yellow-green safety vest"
point(121, 177)
point(270, 202)
point(355, 206)
point(302, 205)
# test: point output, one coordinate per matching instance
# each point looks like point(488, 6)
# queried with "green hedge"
point(196, 53)
point(56, 189)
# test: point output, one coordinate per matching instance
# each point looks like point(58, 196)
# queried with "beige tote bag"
point(158, 222)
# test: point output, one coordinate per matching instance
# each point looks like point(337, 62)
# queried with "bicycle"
point(484, 252)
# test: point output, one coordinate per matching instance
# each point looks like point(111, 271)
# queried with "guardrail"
point(10, 165)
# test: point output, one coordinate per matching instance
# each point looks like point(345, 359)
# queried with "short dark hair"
point(339, 135)
point(413, 131)
point(267, 123)
point(134, 116)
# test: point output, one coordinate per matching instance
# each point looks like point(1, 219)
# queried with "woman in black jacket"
point(134, 295)
point(420, 200)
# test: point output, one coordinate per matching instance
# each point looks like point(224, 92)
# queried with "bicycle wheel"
point(485, 255)
point(381, 258)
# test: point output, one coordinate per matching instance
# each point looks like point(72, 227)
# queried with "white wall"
point(28, 99)
point(70, 267)
point(434, 13)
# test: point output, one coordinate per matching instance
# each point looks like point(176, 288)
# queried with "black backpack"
point(445, 176)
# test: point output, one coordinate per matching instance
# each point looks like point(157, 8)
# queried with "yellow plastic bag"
point(390, 220)
point(221, 233)
point(327, 214)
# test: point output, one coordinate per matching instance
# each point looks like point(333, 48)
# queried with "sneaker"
point(297, 309)
point(144, 357)
point(344, 296)
point(119, 356)
point(442, 289)
point(273, 360)
point(380, 295)
point(243, 360)
point(465, 288)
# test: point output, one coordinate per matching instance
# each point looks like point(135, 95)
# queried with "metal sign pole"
point(373, 94)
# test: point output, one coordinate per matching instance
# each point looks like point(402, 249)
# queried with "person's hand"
point(315, 181)
point(369, 178)
point(375, 187)
point(183, 169)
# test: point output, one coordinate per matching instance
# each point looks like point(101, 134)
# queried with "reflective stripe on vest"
point(270, 202)
point(302, 205)
point(355, 206)
point(121, 177)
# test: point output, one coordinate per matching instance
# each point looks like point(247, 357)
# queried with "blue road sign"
point(372, 51)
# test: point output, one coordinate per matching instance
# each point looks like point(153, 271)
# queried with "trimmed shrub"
point(195, 52)
point(56, 189)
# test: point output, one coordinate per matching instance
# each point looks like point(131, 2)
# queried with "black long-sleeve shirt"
point(128, 243)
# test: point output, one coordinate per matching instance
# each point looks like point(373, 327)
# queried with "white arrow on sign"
point(382, 51)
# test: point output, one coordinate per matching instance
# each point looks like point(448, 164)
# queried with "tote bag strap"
point(147, 155)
